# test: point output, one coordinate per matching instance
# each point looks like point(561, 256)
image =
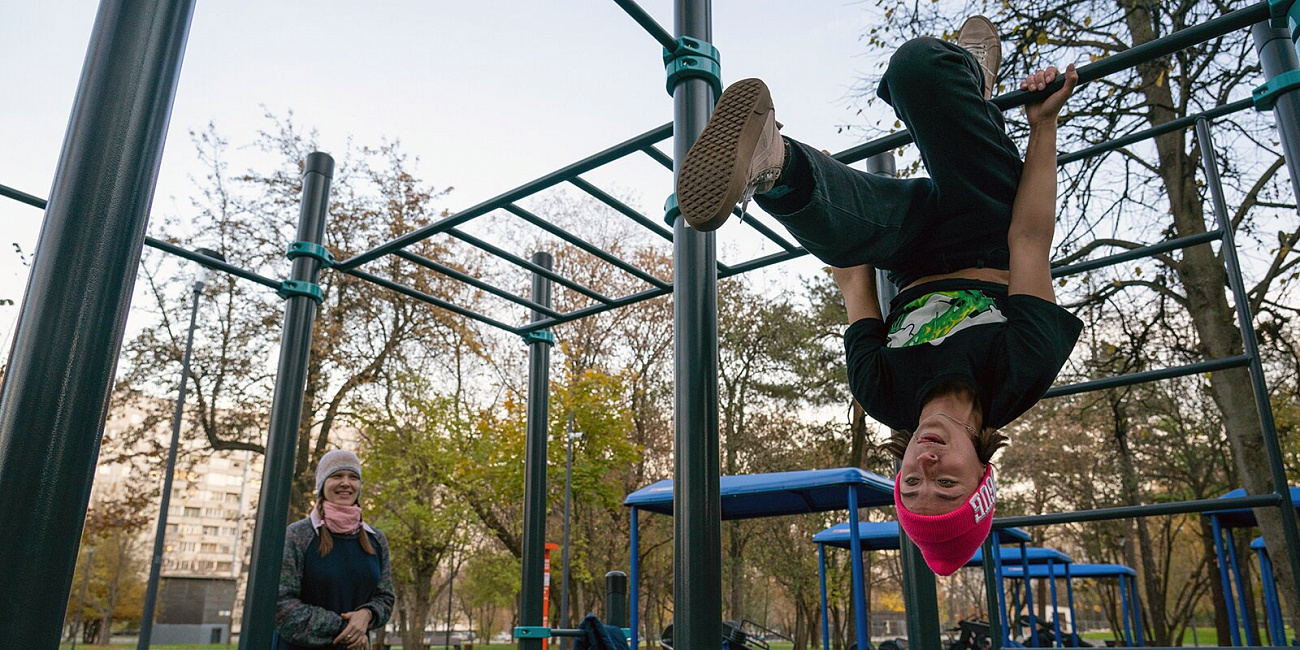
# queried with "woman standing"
point(335, 583)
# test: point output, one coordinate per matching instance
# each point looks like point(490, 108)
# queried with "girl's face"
point(940, 468)
point(342, 488)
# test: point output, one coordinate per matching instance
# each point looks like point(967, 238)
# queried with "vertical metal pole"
point(859, 579)
point(1137, 612)
point(1029, 598)
point(1056, 609)
point(160, 535)
point(66, 342)
point(697, 508)
point(1124, 610)
point(1270, 598)
point(286, 415)
point(1244, 607)
point(1069, 596)
point(616, 598)
point(568, 513)
point(821, 576)
point(1245, 322)
point(920, 593)
point(1224, 580)
point(634, 592)
point(992, 596)
point(531, 605)
point(1277, 55)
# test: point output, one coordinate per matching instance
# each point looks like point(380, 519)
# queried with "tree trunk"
point(416, 615)
point(736, 564)
point(1154, 597)
point(1216, 582)
point(1204, 277)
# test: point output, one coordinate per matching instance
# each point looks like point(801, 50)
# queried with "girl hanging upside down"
point(975, 336)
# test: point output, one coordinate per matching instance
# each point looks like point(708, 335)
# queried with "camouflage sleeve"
point(381, 603)
point(296, 621)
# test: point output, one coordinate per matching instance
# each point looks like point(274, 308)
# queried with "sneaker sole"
point(713, 176)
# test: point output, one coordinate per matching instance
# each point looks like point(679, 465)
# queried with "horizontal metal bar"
point(764, 230)
point(22, 197)
point(521, 262)
point(557, 631)
point(1183, 38)
point(554, 178)
point(647, 23)
point(1150, 375)
point(1145, 134)
point(432, 300)
point(38, 202)
point(622, 207)
point(761, 262)
point(584, 245)
point(473, 281)
point(1145, 510)
point(211, 263)
point(659, 157)
point(592, 310)
point(1138, 253)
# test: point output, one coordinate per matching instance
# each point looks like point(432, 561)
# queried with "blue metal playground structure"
point(70, 328)
point(1231, 576)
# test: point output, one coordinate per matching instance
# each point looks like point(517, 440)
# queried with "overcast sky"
point(489, 94)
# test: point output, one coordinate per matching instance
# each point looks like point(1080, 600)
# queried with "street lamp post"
point(155, 565)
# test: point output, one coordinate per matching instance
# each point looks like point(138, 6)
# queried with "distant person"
point(975, 337)
point(335, 582)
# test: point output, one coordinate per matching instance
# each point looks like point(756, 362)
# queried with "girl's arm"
point(1033, 215)
point(858, 284)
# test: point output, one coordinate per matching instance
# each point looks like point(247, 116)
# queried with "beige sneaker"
point(739, 154)
point(980, 37)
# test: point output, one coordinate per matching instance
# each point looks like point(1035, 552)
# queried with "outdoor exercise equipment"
point(1130, 605)
point(880, 536)
point(752, 496)
point(1272, 603)
point(69, 330)
point(1222, 525)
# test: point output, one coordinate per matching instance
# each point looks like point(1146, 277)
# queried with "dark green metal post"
point(69, 332)
point(991, 587)
point(920, 595)
point(697, 507)
point(616, 598)
point(286, 414)
point(1277, 55)
point(531, 605)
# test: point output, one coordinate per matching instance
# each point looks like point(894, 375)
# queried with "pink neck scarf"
point(342, 520)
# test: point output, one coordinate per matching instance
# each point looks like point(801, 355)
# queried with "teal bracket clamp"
point(539, 336)
point(671, 210)
point(1265, 96)
point(310, 249)
point(693, 58)
point(291, 288)
point(532, 632)
point(1278, 11)
point(627, 632)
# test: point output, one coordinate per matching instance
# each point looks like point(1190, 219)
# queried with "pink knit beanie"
point(948, 541)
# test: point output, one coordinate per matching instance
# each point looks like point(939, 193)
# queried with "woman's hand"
point(1047, 109)
point(354, 633)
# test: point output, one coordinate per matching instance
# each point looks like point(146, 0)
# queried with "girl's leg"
point(844, 216)
point(935, 88)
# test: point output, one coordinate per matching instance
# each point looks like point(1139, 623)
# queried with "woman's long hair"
point(327, 540)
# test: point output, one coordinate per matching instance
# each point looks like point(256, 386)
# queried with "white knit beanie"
point(334, 462)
